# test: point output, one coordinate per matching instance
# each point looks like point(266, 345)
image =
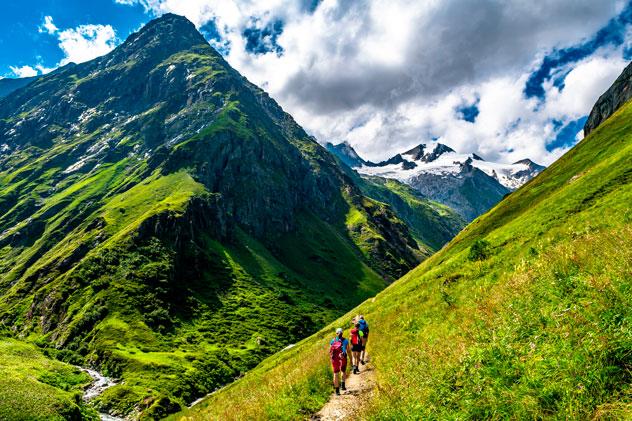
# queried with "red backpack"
point(355, 336)
point(335, 349)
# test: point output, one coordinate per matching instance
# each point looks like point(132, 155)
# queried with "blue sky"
point(506, 80)
point(23, 44)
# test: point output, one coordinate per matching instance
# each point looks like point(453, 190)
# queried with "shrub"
point(480, 250)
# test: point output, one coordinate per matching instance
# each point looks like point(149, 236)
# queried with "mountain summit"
point(160, 214)
point(465, 182)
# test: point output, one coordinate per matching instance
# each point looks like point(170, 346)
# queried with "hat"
point(339, 330)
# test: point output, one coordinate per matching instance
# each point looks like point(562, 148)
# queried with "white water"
point(99, 384)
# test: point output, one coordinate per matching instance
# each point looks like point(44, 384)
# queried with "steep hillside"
point(163, 220)
point(431, 223)
point(526, 314)
point(34, 386)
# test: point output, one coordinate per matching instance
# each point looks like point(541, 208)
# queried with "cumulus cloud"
point(23, 71)
point(43, 69)
point(48, 26)
point(387, 74)
point(79, 44)
point(86, 42)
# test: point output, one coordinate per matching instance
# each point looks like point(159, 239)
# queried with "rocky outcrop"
point(470, 193)
point(202, 215)
point(617, 95)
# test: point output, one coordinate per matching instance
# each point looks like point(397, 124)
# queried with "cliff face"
point(617, 95)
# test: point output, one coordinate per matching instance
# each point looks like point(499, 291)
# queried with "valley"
point(175, 245)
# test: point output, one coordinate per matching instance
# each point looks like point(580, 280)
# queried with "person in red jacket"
point(355, 335)
point(338, 351)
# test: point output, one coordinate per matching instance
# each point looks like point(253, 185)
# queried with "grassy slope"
point(534, 325)
point(33, 386)
point(431, 223)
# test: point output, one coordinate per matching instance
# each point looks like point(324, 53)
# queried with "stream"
point(99, 384)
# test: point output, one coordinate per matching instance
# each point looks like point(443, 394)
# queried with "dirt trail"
point(346, 406)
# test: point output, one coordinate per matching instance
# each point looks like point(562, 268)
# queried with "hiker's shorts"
point(339, 365)
point(357, 347)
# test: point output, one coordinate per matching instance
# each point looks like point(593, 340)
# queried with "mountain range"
point(164, 221)
point(465, 182)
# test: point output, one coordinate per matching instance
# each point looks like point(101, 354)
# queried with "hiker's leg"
point(336, 374)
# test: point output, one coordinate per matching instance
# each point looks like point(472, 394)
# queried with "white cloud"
point(48, 26)
point(44, 70)
point(24, 71)
point(79, 44)
point(586, 81)
point(387, 74)
point(86, 42)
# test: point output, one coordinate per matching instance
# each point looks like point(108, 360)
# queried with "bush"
point(480, 250)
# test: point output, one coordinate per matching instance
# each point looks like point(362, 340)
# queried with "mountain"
point(431, 223)
point(164, 221)
point(526, 314)
point(464, 182)
point(346, 153)
point(8, 85)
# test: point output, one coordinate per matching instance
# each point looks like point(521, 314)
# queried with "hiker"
point(338, 350)
point(364, 327)
point(355, 335)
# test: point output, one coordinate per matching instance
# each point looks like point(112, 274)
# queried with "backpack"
point(364, 326)
point(335, 350)
point(355, 336)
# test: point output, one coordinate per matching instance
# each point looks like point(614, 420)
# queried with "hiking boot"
point(338, 391)
point(356, 370)
point(342, 386)
point(362, 361)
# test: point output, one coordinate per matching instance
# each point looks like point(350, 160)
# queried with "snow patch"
point(448, 164)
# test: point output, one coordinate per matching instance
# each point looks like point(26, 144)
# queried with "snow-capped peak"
point(439, 159)
point(427, 153)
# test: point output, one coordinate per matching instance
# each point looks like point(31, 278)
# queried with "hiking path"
point(346, 406)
